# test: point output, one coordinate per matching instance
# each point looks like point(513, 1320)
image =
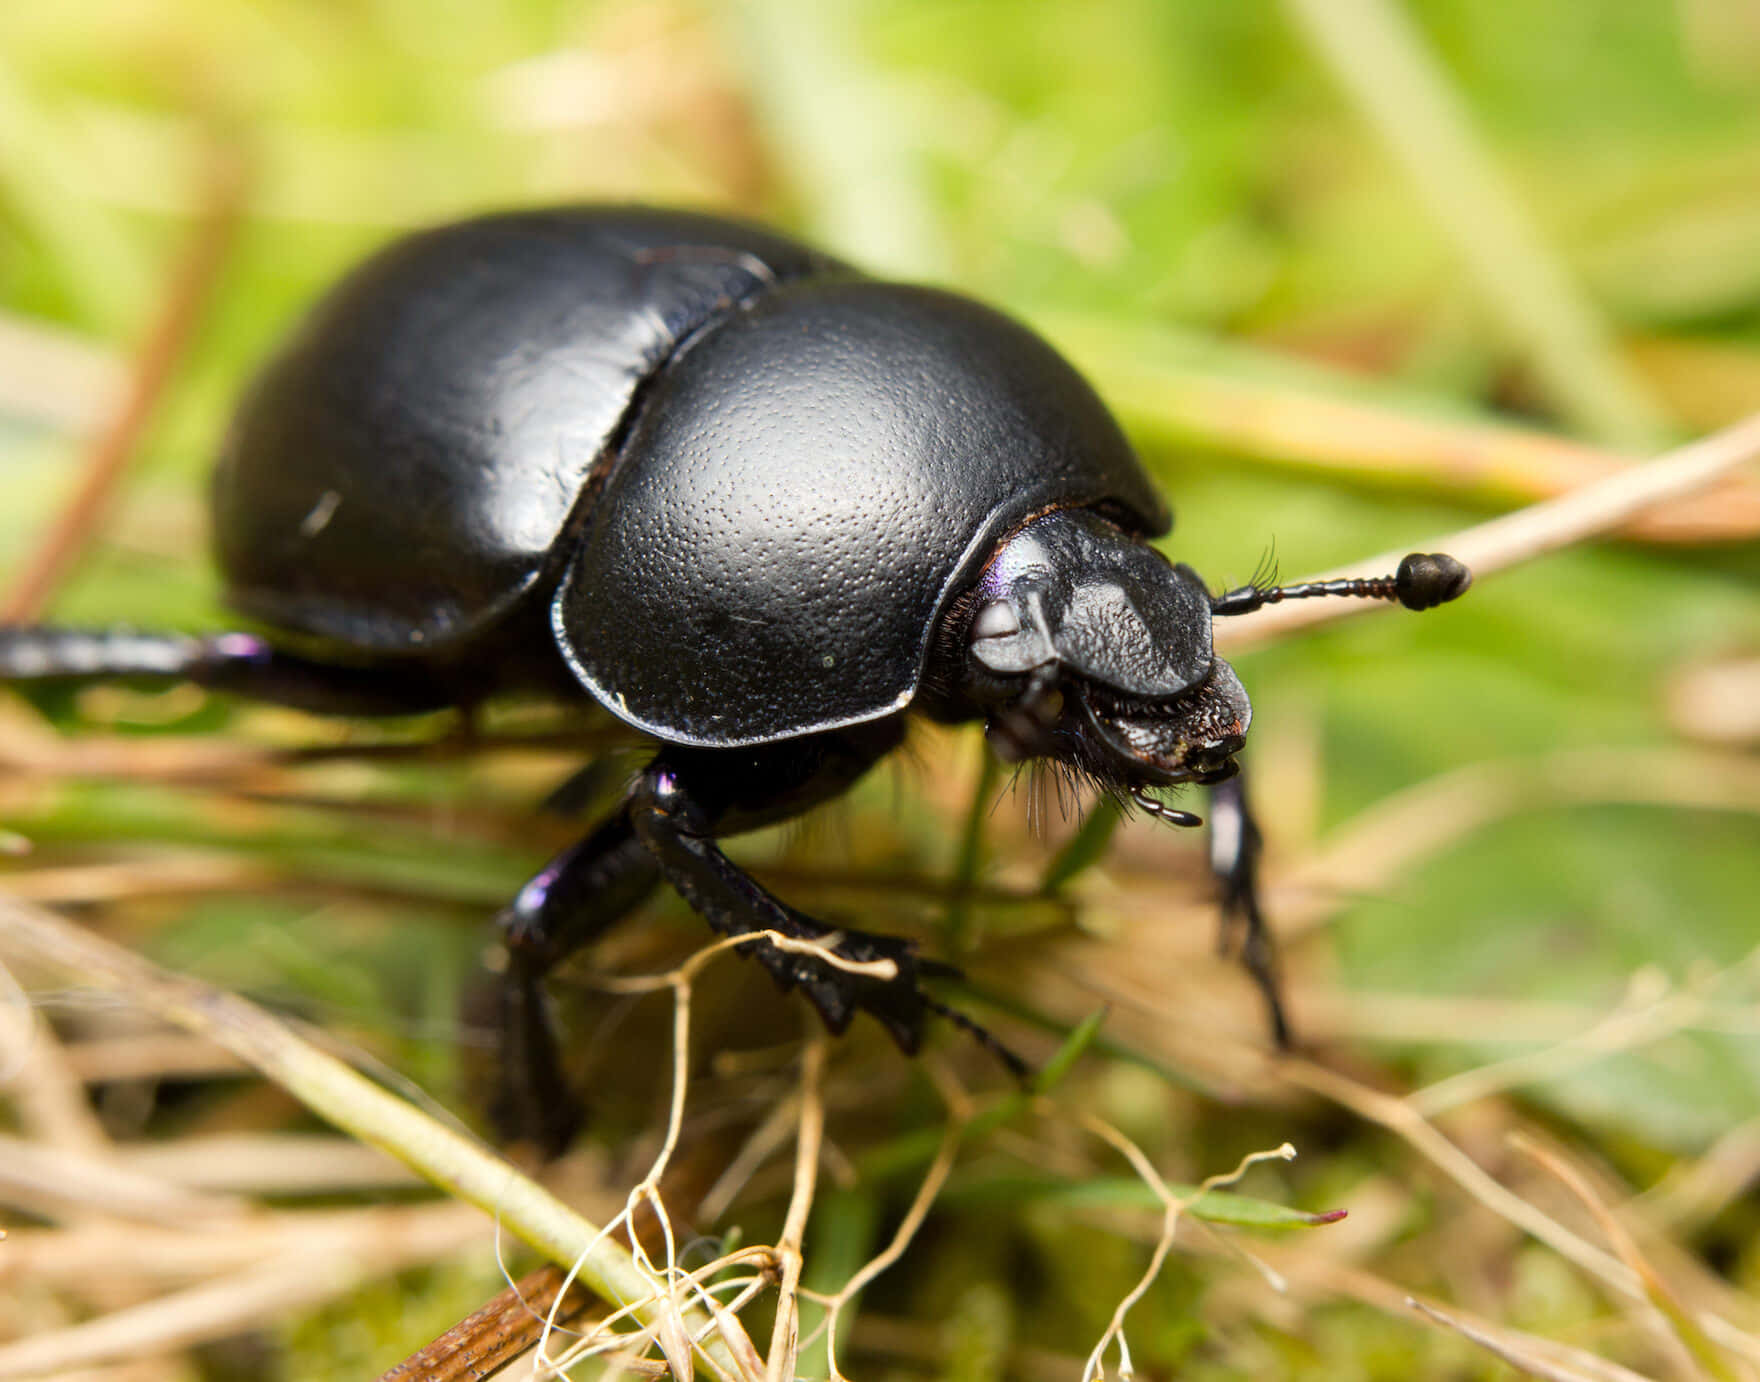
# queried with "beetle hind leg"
point(240, 663)
point(567, 903)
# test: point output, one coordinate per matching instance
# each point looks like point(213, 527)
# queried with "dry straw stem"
point(30, 750)
point(146, 1055)
point(764, 1141)
point(46, 1092)
point(785, 1335)
point(1182, 394)
point(1651, 1011)
point(1383, 61)
point(1398, 1116)
point(104, 1259)
point(267, 1163)
point(1528, 533)
point(1312, 1275)
point(1683, 1330)
point(353, 1103)
point(1185, 1025)
point(1382, 843)
point(34, 1177)
point(1692, 1194)
point(267, 1289)
point(1526, 1353)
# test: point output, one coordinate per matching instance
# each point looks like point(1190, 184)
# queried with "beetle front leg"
point(567, 903)
point(677, 828)
point(1235, 845)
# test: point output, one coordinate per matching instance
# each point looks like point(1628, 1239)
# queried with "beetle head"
point(1087, 646)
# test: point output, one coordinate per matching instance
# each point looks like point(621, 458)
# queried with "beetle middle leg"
point(688, 797)
point(1235, 844)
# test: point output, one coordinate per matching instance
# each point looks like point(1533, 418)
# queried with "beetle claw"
point(898, 1004)
point(905, 1029)
point(833, 1004)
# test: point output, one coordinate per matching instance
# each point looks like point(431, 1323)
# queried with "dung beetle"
point(756, 505)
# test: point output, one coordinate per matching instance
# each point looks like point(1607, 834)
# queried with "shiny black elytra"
point(756, 505)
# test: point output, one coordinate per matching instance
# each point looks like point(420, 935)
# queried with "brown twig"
point(153, 366)
point(488, 1338)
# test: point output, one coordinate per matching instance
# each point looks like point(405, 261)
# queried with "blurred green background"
point(1354, 274)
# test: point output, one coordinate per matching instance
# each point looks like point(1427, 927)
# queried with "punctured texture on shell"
point(804, 487)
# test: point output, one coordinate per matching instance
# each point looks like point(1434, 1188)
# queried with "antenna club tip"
point(1428, 579)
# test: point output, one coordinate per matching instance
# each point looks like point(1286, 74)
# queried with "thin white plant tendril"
point(782, 1263)
point(1172, 1207)
point(959, 1115)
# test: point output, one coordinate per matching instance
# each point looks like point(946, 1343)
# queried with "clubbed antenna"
point(1423, 581)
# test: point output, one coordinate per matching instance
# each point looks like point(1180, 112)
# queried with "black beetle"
point(758, 506)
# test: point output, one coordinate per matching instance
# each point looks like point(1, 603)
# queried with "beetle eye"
point(996, 620)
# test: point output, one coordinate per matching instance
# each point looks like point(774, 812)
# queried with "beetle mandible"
point(758, 506)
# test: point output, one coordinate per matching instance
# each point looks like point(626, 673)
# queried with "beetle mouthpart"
point(1163, 812)
point(1024, 729)
point(1192, 737)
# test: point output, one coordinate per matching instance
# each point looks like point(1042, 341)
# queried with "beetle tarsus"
point(1014, 1064)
